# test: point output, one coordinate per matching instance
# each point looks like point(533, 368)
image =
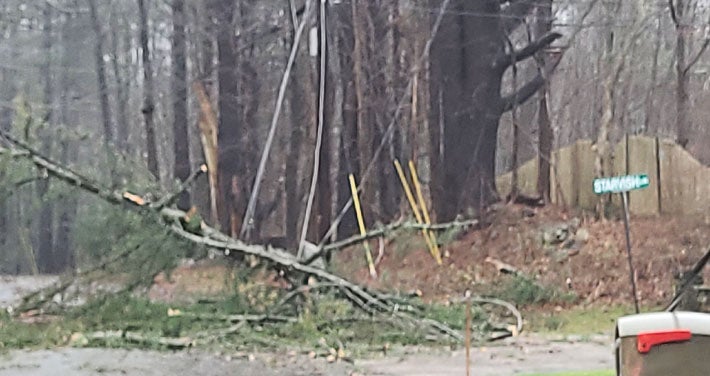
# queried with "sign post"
point(622, 185)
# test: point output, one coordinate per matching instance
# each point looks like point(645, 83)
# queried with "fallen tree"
point(370, 302)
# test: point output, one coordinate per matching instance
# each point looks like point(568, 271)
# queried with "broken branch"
point(218, 240)
point(383, 231)
point(170, 199)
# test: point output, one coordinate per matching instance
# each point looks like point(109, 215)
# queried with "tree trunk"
point(148, 100)
point(121, 90)
point(651, 111)
point(101, 77)
point(382, 82)
point(462, 52)
point(468, 61)
point(349, 132)
point(230, 115)
point(322, 217)
point(365, 123)
point(300, 108)
point(682, 77)
point(45, 245)
point(249, 99)
point(64, 250)
point(181, 146)
point(8, 92)
point(543, 25)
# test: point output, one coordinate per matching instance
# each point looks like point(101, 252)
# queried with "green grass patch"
point(578, 320)
point(524, 291)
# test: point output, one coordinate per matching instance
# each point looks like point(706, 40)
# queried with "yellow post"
point(468, 333)
point(361, 224)
point(415, 209)
point(425, 211)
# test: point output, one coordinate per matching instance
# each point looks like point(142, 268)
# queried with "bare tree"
point(45, 238)
point(469, 58)
point(231, 161)
point(181, 145)
point(101, 75)
point(148, 100)
point(122, 85)
point(543, 25)
point(679, 10)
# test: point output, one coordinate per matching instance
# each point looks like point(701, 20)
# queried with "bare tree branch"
point(521, 95)
point(674, 16)
point(697, 57)
point(514, 56)
point(171, 198)
point(383, 231)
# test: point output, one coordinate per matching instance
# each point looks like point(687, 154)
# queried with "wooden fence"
point(680, 184)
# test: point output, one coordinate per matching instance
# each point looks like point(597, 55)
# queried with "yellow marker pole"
point(425, 211)
point(361, 224)
point(413, 204)
point(468, 333)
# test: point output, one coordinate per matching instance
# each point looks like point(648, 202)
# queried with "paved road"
point(523, 356)
point(85, 362)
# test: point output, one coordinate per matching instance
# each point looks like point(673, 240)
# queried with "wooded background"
point(139, 93)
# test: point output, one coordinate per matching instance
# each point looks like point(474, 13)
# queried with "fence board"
point(564, 177)
point(585, 168)
point(643, 160)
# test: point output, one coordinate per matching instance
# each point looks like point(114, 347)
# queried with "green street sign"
point(618, 184)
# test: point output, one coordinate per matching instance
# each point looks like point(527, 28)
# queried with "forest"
point(283, 100)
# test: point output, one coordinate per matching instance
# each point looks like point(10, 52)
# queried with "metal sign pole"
point(624, 199)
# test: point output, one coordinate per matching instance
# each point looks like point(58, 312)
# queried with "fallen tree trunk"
point(211, 237)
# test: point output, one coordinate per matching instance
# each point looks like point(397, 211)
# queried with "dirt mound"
point(571, 252)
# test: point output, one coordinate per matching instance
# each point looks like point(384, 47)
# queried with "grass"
point(575, 321)
point(578, 320)
point(525, 291)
